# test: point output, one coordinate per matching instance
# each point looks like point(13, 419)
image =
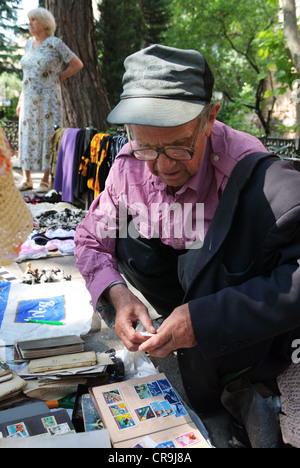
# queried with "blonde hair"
point(44, 17)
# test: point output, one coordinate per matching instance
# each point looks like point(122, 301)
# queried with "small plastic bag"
point(137, 364)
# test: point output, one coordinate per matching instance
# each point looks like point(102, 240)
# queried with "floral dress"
point(41, 108)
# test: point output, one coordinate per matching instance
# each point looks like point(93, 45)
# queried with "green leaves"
point(8, 29)
point(125, 27)
point(244, 44)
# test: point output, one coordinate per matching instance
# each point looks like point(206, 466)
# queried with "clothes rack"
point(81, 160)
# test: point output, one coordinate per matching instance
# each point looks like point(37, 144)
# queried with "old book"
point(44, 347)
point(134, 409)
point(4, 369)
point(5, 372)
point(53, 389)
point(11, 387)
point(91, 418)
point(5, 378)
point(67, 361)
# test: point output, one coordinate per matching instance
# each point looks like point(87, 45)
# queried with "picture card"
point(125, 421)
point(18, 430)
point(145, 413)
point(168, 444)
point(119, 409)
point(167, 408)
point(49, 422)
point(146, 442)
point(143, 391)
point(187, 439)
point(113, 396)
point(158, 409)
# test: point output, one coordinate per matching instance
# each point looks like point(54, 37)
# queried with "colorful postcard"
point(63, 428)
point(170, 395)
point(49, 422)
point(179, 409)
point(167, 407)
point(125, 421)
point(18, 430)
point(113, 396)
point(164, 384)
point(145, 413)
point(168, 444)
point(158, 409)
point(119, 409)
point(146, 442)
point(143, 391)
point(92, 420)
point(187, 439)
point(154, 389)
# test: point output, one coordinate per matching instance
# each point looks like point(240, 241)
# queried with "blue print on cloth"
point(50, 309)
point(4, 294)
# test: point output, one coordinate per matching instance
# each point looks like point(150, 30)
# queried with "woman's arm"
point(74, 66)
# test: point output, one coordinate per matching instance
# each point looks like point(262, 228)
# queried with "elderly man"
point(204, 223)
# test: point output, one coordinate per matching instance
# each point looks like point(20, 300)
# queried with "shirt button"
point(216, 158)
point(176, 241)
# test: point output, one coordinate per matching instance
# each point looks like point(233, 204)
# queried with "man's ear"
point(212, 117)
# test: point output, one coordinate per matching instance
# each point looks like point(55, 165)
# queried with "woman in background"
point(40, 104)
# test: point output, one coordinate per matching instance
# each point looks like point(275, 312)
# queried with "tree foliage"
point(133, 25)
point(243, 41)
point(8, 29)
point(118, 36)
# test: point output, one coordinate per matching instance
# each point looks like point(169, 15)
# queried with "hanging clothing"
point(81, 157)
point(83, 161)
point(63, 181)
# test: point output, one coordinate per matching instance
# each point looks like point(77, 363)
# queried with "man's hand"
point(175, 332)
point(129, 310)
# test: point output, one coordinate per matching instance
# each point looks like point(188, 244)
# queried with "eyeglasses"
point(178, 153)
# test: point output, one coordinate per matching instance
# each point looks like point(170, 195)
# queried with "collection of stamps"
point(167, 404)
point(170, 405)
point(49, 423)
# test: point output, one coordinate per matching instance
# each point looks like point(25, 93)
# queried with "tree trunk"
point(291, 34)
point(84, 96)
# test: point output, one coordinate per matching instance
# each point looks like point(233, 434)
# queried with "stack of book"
point(54, 367)
point(46, 347)
point(11, 387)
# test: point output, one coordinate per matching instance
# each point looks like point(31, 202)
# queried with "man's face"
point(174, 173)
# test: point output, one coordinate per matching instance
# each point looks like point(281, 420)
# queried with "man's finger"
point(162, 350)
point(147, 323)
point(153, 343)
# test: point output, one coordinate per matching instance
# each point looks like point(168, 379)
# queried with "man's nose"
point(164, 163)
